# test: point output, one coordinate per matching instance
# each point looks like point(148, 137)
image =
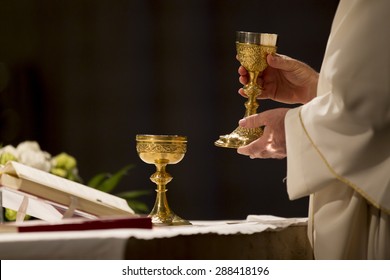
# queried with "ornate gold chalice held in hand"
point(252, 50)
point(162, 150)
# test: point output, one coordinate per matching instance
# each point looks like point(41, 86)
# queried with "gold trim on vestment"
point(338, 176)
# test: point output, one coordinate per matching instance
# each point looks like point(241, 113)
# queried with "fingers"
point(252, 150)
point(242, 71)
point(243, 80)
point(261, 148)
point(256, 120)
point(242, 93)
point(265, 154)
point(282, 62)
point(278, 61)
point(272, 144)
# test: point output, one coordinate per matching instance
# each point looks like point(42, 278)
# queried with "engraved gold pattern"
point(253, 57)
point(162, 150)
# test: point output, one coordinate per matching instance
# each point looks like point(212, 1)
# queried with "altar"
point(257, 237)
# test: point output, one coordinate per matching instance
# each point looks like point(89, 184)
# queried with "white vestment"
point(338, 145)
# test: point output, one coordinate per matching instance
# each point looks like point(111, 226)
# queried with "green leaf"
point(138, 207)
point(96, 180)
point(111, 182)
point(133, 194)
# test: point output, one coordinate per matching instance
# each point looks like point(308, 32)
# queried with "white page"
point(37, 208)
point(66, 186)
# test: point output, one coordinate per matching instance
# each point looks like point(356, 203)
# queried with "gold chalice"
point(162, 150)
point(252, 50)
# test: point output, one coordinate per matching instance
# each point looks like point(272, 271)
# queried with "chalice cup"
point(162, 150)
point(252, 50)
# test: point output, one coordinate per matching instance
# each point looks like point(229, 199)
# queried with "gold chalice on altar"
point(252, 50)
point(162, 150)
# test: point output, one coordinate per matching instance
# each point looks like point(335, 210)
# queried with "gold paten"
point(162, 150)
point(252, 54)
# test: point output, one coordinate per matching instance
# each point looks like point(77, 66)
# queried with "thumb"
point(253, 121)
point(282, 62)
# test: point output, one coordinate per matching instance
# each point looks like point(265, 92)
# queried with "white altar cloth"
point(112, 243)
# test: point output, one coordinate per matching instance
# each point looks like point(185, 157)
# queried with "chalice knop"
point(252, 50)
point(162, 150)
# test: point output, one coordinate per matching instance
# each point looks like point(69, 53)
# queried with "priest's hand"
point(272, 144)
point(285, 80)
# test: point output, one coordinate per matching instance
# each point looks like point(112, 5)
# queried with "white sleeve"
point(344, 133)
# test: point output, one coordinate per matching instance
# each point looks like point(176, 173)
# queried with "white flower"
point(9, 149)
point(30, 153)
point(7, 153)
point(28, 146)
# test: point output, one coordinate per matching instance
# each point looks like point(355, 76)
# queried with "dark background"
point(85, 77)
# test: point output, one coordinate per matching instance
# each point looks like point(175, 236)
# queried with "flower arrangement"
point(65, 165)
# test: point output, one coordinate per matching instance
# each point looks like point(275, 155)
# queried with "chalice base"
point(168, 220)
point(162, 215)
point(241, 136)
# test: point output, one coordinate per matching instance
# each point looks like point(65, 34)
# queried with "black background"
point(85, 77)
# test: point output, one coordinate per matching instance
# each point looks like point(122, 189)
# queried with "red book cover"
point(78, 224)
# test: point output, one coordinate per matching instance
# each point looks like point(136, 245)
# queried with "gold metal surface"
point(252, 54)
point(162, 150)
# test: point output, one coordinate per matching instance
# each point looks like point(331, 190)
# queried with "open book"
point(50, 197)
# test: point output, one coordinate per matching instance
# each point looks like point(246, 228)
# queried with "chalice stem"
point(161, 213)
point(253, 78)
point(161, 178)
point(252, 90)
point(161, 204)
